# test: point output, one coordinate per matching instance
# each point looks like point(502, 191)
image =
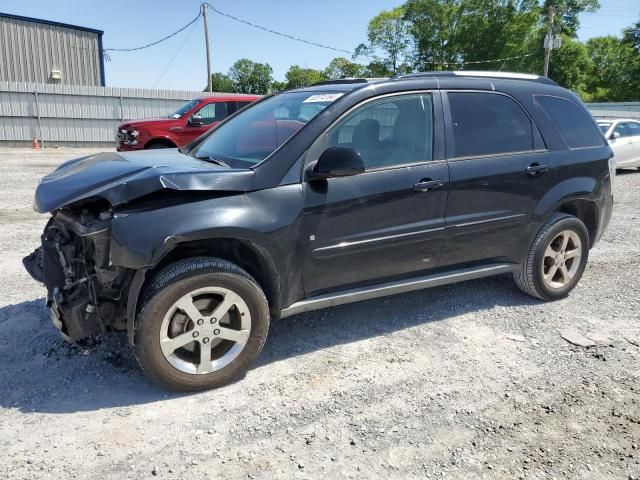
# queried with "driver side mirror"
point(337, 162)
point(195, 122)
point(614, 135)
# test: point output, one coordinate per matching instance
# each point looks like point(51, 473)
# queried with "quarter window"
point(387, 132)
point(574, 125)
point(488, 124)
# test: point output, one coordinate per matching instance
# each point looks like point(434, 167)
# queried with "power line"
point(176, 53)
point(285, 35)
point(476, 62)
point(157, 41)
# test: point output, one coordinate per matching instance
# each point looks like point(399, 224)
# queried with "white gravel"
point(466, 381)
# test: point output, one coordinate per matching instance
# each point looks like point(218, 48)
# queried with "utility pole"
point(205, 7)
point(548, 41)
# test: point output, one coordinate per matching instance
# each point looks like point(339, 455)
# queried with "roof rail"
point(349, 81)
point(481, 74)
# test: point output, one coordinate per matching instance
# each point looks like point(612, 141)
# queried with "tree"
point(301, 77)
point(277, 86)
point(566, 19)
point(251, 77)
point(388, 33)
point(340, 67)
point(221, 83)
point(572, 66)
point(632, 35)
point(377, 69)
point(615, 76)
point(447, 34)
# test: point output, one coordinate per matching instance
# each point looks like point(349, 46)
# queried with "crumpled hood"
point(125, 176)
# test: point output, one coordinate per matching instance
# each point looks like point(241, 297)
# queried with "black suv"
point(315, 197)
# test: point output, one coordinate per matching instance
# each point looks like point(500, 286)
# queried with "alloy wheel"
point(562, 259)
point(205, 330)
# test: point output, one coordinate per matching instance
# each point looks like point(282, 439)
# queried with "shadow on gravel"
point(321, 329)
point(42, 373)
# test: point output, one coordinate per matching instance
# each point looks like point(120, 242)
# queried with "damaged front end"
point(85, 293)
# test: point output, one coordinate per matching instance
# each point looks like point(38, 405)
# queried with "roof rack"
point(481, 74)
point(350, 80)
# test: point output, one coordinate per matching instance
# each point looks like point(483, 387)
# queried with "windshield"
point(604, 126)
point(184, 109)
point(258, 131)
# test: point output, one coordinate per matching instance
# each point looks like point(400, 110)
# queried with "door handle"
point(426, 185)
point(535, 170)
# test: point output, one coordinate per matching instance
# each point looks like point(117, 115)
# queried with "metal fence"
point(78, 115)
point(615, 110)
point(84, 115)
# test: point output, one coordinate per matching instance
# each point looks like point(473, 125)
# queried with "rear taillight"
point(612, 169)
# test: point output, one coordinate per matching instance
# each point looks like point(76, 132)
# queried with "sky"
point(180, 63)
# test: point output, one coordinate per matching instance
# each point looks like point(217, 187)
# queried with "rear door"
point(499, 170)
point(634, 131)
point(386, 222)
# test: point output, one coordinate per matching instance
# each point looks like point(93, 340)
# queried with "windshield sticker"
point(323, 97)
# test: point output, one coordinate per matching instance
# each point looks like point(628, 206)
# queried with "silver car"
point(624, 137)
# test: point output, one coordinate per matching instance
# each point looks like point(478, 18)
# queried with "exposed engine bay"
point(85, 294)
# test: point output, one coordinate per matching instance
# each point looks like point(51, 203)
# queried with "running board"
point(392, 288)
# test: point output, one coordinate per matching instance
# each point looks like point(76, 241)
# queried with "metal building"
point(41, 51)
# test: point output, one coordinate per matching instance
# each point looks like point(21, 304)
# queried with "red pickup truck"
point(184, 125)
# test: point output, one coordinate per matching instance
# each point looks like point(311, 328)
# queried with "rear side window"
point(634, 128)
point(574, 125)
point(488, 124)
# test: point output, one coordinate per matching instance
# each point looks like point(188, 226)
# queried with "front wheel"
point(556, 260)
point(201, 324)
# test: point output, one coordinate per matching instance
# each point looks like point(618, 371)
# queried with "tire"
point(541, 274)
point(235, 339)
point(155, 146)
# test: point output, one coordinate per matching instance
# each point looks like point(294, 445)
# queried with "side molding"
point(392, 288)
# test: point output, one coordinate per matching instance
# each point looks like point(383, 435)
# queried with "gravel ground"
point(466, 381)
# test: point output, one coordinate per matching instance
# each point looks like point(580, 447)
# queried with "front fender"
point(140, 238)
point(267, 219)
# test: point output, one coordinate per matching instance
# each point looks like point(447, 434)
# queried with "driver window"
point(622, 130)
point(388, 132)
point(212, 112)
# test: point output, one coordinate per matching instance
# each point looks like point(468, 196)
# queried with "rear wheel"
point(556, 260)
point(201, 324)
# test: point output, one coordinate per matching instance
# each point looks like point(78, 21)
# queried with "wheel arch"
point(168, 141)
point(247, 254)
point(576, 196)
point(587, 211)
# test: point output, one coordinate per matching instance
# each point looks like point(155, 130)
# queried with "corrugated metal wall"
point(80, 115)
point(29, 51)
point(619, 110)
point(71, 114)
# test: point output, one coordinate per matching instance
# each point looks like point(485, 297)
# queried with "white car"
point(623, 136)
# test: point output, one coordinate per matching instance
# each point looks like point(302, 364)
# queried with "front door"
point(622, 143)
point(203, 119)
point(388, 221)
point(499, 171)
